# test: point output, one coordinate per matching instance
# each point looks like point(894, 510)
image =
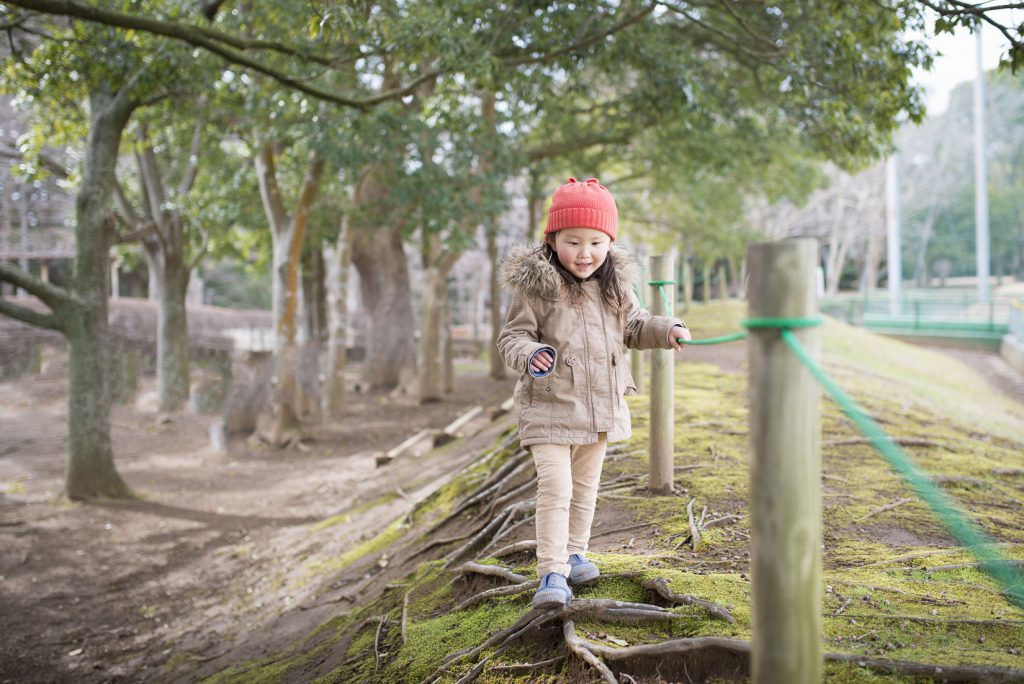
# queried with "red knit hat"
point(583, 205)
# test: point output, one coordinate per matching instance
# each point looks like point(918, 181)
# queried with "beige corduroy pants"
point(567, 480)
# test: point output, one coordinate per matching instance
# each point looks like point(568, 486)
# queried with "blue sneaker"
point(583, 571)
point(553, 592)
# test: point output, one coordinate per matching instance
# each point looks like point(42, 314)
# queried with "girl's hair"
point(607, 275)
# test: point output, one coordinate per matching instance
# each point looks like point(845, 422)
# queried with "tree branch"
point(30, 316)
point(52, 296)
point(509, 60)
point(557, 149)
point(266, 176)
point(46, 161)
point(203, 247)
point(193, 158)
point(216, 43)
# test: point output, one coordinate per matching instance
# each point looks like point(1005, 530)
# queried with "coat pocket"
point(625, 386)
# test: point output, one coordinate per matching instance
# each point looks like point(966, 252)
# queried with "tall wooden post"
point(636, 356)
point(660, 449)
point(785, 427)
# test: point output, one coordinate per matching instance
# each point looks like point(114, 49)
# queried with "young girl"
point(572, 310)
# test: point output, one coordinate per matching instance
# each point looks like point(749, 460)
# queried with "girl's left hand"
point(675, 334)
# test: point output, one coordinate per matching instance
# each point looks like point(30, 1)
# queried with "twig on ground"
point(694, 531)
point(883, 509)
point(919, 597)
point(922, 554)
point(659, 585)
point(977, 564)
point(527, 667)
point(940, 620)
point(714, 522)
point(904, 441)
point(376, 643)
point(628, 528)
point(405, 612)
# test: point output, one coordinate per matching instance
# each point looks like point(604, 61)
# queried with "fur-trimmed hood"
point(526, 272)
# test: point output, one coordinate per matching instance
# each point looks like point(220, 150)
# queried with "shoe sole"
point(549, 602)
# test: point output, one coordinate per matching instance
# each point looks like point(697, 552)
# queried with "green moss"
point(389, 536)
point(345, 517)
point(877, 564)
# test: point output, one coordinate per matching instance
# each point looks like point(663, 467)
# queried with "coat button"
point(548, 388)
point(570, 360)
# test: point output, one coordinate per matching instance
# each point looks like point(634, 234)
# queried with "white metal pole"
point(894, 256)
point(980, 177)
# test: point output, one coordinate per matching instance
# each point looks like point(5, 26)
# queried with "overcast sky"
point(957, 64)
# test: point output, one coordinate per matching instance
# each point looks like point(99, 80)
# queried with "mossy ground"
point(883, 596)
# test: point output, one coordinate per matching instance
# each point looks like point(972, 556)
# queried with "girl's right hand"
point(542, 362)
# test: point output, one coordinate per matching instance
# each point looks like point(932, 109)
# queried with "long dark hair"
point(607, 275)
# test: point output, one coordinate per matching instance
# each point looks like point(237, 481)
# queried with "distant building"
point(36, 216)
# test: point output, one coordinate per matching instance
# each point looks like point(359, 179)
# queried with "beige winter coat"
point(583, 396)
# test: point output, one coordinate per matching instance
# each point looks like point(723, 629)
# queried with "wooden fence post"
point(636, 357)
point(785, 485)
point(660, 450)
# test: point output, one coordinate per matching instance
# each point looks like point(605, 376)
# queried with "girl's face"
point(582, 250)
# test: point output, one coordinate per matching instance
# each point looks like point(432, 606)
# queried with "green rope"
point(966, 532)
point(754, 323)
point(715, 340)
point(664, 297)
point(963, 530)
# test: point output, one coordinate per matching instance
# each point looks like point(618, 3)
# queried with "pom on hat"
point(583, 205)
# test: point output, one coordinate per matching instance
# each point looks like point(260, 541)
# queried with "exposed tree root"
point(507, 531)
point(490, 486)
point(660, 587)
point(509, 590)
point(578, 646)
point(944, 673)
point(491, 570)
point(489, 531)
point(526, 545)
point(527, 667)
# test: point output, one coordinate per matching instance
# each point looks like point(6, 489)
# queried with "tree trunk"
point(172, 337)
point(288, 235)
point(431, 367)
point(379, 257)
point(314, 301)
point(91, 473)
point(497, 363)
point(534, 204)
point(872, 258)
point(338, 259)
point(706, 290)
point(449, 353)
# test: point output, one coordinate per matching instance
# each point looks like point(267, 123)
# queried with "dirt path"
point(87, 591)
